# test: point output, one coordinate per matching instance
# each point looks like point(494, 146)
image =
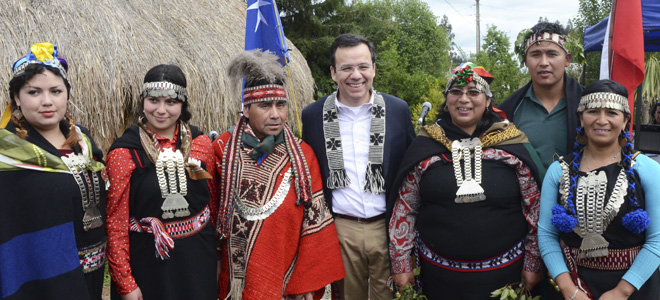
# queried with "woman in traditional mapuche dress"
point(467, 199)
point(52, 241)
point(599, 228)
point(161, 207)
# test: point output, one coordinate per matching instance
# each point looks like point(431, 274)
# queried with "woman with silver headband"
point(53, 188)
point(162, 205)
point(467, 202)
point(599, 229)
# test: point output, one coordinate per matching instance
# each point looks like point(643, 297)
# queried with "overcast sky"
point(510, 16)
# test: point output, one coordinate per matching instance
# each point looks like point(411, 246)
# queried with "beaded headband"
point(164, 89)
point(466, 75)
point(555, 38)
point(264, 93)
point(43, 54)
point(604, 100)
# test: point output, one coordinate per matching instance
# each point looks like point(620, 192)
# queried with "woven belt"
point(500, 261)
point(92, 257)
point(616, 259)
point(361, 220)
point(166, 233)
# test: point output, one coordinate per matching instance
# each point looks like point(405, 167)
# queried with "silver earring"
point(17, 113)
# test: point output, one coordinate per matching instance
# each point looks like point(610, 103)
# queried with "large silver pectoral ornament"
point(593, 245)
point(80, 168)
point(469, 189)
point(173, 187)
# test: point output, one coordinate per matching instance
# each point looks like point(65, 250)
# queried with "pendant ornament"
point(469, 188)
point(174, 186)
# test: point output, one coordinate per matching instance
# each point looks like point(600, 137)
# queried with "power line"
point(527, 11)
point(455, 9)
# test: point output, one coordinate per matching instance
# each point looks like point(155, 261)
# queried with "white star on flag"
point(260, 17)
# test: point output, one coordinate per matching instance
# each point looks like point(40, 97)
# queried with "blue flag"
point(263, 29)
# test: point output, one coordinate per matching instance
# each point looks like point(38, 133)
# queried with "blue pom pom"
point(564, 222)
point(636, 221)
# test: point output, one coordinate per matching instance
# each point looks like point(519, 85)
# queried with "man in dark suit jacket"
point(359, 136)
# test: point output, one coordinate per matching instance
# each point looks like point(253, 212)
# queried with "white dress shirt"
point(354, 127)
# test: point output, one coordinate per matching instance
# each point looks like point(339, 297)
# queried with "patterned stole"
point(244, 181)
point(375, 182)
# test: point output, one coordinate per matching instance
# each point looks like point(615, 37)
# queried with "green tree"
point(590, 12)
point(307, 23)
point(412, 48)
point(500, 62)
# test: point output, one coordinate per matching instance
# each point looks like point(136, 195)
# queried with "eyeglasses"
point(351, 68)
point(473, 93)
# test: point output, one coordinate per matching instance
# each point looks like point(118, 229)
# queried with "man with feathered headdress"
point(278, 238)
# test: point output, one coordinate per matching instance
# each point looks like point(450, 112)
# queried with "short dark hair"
point(173, 74)
point(542, 27)
point(350, 40)
point(17, 82)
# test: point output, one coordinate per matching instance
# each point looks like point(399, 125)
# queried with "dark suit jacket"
point(399, 133)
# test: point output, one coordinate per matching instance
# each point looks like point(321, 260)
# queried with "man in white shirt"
point(359, 136)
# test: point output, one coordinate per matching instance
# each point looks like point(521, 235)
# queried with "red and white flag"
point(622, 59)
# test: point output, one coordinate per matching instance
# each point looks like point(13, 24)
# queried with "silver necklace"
point(80, 166)
point(469, 189)
point(592, 213)
point(175, 205)
point(260, 213)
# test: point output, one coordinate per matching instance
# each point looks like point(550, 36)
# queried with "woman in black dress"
point(161, 205)
point(599, 231)
point(467, 202)
point(52, 204)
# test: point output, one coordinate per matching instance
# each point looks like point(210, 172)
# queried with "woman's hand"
point(622, 291)
point(569, 290)
point(134, 295)
point(403, 279)
point(531, 279)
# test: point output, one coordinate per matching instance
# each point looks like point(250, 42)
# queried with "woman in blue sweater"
point(599, 225)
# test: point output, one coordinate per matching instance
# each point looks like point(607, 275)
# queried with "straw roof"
point(110, 45)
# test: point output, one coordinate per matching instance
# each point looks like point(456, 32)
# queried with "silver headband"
point(164, 89)
point(604, 100)
point(53, 63)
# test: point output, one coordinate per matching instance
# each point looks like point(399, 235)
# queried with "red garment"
point(120, 168)
point(295, 249)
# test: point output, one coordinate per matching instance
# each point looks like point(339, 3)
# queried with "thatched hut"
point(110, 45)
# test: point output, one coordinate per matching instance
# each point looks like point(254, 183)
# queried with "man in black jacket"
point(545, 108)
point(359, 136)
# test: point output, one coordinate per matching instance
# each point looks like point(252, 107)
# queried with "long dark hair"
point(169, 73)
point(15, 85)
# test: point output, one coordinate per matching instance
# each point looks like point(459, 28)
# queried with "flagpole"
point(286, 63)
point(610, 57)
